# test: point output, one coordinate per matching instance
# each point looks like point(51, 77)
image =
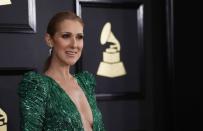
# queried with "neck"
point(58, 71)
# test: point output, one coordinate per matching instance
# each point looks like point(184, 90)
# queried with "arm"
point(32, 94)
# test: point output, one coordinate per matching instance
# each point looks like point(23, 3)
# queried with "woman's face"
point(67, 42)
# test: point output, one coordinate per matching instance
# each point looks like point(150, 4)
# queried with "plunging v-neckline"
point(67, 95)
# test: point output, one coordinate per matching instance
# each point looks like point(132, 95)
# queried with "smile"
point(71, 53)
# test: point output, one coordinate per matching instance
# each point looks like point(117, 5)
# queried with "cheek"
point(81, 46)
point(60, 45)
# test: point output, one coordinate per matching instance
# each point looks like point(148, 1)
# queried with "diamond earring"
point(50, 50)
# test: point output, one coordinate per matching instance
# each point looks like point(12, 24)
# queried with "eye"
point(65, 36)
point(80, 36)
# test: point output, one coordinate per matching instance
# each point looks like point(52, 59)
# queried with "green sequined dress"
point(45, 106)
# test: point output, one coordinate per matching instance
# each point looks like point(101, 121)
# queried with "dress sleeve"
point(90, 84)
point(32, 94)
point(89, 81)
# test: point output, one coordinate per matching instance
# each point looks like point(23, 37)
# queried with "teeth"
point(70, 52)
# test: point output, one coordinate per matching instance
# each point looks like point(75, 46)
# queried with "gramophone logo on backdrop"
point(5, 2)
point(3, 120)
point(111, 66)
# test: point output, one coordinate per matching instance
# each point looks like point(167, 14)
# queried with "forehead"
point(70, 26)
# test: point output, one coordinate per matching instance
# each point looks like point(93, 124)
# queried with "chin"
point(71, 63)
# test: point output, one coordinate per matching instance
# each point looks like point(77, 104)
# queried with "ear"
point(48, 40)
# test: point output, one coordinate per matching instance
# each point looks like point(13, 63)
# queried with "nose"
point(74, 42)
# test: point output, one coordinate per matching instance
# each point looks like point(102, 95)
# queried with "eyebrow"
point(70, 33)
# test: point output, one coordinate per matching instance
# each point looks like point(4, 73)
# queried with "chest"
point(80, 100)
point(71, 106)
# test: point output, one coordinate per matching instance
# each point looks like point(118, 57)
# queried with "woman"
point(57, 100)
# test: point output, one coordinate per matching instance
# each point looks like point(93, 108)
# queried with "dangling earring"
point(50, 51)
point(51, 48)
